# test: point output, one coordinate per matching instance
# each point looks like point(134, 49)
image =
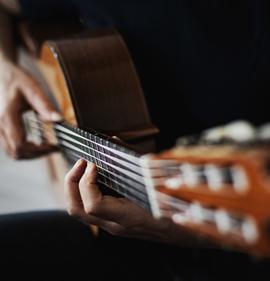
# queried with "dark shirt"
point(201, 63)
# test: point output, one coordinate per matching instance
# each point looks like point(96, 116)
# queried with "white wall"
point(24, 186)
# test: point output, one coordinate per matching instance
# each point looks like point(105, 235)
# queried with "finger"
point(109, 226)
point(71, 189)
point(14, 129)
point(16, 144)
point(13, 133)
point(3, 142)
point(37, 99)
point(104, 207)
point(31, 150)
point(112, 228)
point(89, 191)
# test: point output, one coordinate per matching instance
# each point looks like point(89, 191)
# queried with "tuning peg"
point(214, 176)
point(239, 179)
point(180, 218)
point(223, 221)
point(250, 230)
point(192, 175)
point(174, 182)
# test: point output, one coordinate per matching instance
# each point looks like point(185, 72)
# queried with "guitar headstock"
point(221, 191)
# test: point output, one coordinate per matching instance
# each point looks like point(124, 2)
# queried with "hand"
point(117, 216)
point(19, 92)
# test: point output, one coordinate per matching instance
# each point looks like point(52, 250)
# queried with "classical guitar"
point(218, 189)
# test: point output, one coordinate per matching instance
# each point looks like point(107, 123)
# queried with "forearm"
point(7, 44)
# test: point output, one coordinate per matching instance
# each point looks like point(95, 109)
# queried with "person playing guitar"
point(118, 216)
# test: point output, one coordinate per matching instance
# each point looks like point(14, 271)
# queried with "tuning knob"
point(250, 230)
point(174, 182)
point(214, 176)
point(192, 175)
point(239, 178)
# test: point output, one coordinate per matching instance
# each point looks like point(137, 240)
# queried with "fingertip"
point(91, 168)
point(49, 115)
point(77, 171)
point(80, 162)
point(56, 116)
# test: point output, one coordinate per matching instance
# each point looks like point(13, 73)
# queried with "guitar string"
point(68, 129)
point(133, 196)
point(139, 190)
point(157, 181)
point(151, 172)
point(182, 207)
point(173, 202)
point(138, 169)
point(108, 172)
point(152, 163)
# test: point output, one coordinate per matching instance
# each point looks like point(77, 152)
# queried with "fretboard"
point(117, 165)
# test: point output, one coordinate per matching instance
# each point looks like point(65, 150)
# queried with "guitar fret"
point(102, 178)
point(96, 150)
point(108, 168)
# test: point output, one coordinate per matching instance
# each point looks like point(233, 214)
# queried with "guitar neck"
point(117, 164)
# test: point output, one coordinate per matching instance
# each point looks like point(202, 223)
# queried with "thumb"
point(37, 99)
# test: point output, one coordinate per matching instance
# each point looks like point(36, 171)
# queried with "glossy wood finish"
point(252, 202)
point(34, 34)
point(102, 83)
point(92, 80)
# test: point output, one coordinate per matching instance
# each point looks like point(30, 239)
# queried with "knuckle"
point(68, 179)
point(86, 181)
point(74, 211)
point(92, 208)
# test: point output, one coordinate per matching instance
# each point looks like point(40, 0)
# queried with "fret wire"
point(138, 166)
point(121, 170)
point(130, 166)
point(101, 153)
point(123, 152)
point(127, 155)
point(114, 174)
point(97, 152)
point(171, 201)
point(131, 184)
point(107, 167)
point(169, 198)
point(146, 206)
point(97, 155)
point(140, 196)
point(88, 155)
point(157, 181)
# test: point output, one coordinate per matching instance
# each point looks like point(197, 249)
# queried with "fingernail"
point(56, 117)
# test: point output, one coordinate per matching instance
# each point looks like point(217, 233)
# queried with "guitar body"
point(92, 81)
point(220, 191)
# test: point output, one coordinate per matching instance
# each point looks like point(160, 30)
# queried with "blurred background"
point(25, 186)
